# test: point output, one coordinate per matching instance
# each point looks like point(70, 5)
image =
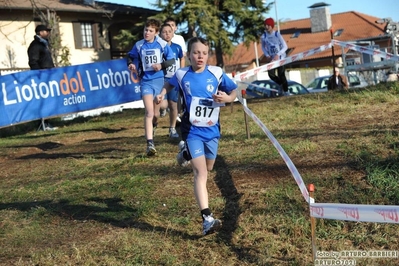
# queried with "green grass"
point(85, 194)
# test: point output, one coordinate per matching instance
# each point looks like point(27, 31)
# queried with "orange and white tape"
point(365, 50)
point(356, 212)
point(244, 75)
point(336, 211)
point(281, 151)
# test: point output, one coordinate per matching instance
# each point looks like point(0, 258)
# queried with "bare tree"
point(10, 61)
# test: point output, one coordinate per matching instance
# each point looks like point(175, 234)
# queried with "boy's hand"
point(220, 97)
point(159, 98)
point(132, 67)
point(157, 67)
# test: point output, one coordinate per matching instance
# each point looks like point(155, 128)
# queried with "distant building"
point(87, 28)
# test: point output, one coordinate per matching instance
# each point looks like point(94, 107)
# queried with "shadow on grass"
point(232, 210)
point(105, 212)
point(98, 148)
point(31, 126)
point(104, 130)
point(45, 146)
point(98, 155)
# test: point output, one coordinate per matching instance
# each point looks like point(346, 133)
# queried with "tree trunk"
point(219, 55)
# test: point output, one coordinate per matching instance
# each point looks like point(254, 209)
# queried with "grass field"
point(85, 194)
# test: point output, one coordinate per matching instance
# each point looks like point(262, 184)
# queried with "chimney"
point(320, 17)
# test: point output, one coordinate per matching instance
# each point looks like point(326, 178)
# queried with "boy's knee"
point(149, 114)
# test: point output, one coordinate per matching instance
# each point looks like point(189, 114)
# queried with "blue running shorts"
point(198, 148)
point(173, 94)
point(151, 86)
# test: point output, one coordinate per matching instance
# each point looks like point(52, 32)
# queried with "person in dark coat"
point(337, 81)
point(38, 52)
point(40, 58)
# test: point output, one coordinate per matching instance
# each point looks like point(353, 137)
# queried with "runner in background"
point(171, 98)
point(178, 39)
point(148, 57)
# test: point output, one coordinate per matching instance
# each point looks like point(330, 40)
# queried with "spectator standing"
point(274, 48)
point(39, 55)
point(171, 97)
point(148, 58)
point(337, 81)
point(204, 90)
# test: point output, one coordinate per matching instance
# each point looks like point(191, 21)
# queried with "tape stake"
point(312, 221)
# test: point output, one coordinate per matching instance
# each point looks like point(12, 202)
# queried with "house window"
point(289, 51)
point(296, 34)
point(338, 32)
point(86, 34)
point(86, 31)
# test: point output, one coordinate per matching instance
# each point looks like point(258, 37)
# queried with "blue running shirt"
point(177, 54)
point(201, 115)
point(144, 54)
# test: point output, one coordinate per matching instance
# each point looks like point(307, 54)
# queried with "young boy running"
point(172, 96)
point(204, 89)
point(147, 58)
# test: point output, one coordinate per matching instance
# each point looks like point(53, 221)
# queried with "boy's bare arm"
point(166, 88)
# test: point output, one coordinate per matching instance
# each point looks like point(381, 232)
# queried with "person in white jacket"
point(274, 48)
point(178, 39)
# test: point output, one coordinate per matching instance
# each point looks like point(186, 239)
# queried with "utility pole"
point(332, 50)
point(392, 29)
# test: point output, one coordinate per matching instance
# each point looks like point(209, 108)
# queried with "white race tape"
point(282, 62)
point(280, 150)
point(337, 211)
point(296, 57)
point(350, 212)
point(356, 212)
point(366, 50)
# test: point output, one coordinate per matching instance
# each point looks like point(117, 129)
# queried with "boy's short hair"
point(153, 23)
point(194, 40)
point(170, 19)
point(164, 25)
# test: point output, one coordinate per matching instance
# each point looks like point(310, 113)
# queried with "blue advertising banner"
point(36, 94)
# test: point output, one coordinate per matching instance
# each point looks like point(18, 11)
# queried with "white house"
point(86, 27)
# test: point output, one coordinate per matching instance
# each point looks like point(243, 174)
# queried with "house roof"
point(355, 25)
point(73, 6)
